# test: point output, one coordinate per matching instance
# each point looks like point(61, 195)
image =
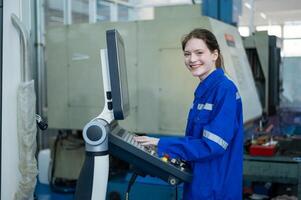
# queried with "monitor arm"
point(93, 178)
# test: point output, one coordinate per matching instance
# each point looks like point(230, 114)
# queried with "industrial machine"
point(104, 129)
point(263, 53)
point(159, 103)
point(273, 163)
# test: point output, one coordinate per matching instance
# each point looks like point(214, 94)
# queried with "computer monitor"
point(118, 74)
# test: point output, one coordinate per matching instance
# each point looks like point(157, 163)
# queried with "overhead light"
point(263, 15)
point(248, 5)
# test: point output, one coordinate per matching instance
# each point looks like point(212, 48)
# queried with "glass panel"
point(292, 31)
point(54, 14)
point(103, 11)
point(291, 47)
point(123, 13)
point(80, 11)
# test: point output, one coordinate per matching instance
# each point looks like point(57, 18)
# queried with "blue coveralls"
point(213, 144)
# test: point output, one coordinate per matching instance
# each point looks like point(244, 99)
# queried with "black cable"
point(131, 182)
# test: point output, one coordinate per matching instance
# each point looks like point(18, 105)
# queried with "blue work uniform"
point(213, 144)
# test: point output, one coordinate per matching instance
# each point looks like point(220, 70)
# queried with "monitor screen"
point(118, 74)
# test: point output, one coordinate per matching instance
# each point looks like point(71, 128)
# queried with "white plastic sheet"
point(27, 140)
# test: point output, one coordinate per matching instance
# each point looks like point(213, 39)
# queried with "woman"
point(213, 142)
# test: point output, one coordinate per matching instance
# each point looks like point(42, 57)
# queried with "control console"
point(145, 159)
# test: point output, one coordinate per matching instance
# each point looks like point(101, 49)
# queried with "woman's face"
point(199, 59)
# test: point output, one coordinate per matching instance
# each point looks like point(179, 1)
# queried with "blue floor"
point(43, 192)
point(146, 188)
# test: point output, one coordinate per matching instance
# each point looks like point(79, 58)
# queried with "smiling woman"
point(199, 59)
point(213, 142)
point(202, 54)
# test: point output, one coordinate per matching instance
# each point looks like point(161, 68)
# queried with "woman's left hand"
point(147, 141)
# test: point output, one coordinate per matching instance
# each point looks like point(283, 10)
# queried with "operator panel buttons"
point(109, 95)
point(174, 169)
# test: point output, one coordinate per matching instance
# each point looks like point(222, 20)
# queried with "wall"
point(11, 79)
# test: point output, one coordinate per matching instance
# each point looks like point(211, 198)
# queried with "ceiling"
point(274, 11)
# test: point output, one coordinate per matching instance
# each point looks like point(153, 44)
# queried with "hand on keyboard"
point(147, 141)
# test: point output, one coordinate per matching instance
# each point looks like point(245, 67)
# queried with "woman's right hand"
point(147, 141)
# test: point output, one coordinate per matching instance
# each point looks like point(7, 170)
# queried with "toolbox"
point(262, 150)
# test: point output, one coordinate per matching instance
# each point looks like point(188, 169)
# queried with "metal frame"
point(40, 62)
point(1, 68)
point(25, 70)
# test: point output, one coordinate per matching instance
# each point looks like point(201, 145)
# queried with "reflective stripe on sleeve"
point(206, 106)
point(215, 138)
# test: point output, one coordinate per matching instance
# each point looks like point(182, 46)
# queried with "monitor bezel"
point(120, 107)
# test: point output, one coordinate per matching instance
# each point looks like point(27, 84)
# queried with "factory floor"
point(43, 192)
point(143, 185)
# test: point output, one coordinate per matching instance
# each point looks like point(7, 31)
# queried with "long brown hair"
point(209, 39)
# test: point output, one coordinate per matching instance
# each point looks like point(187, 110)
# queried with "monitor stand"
point(93, 178)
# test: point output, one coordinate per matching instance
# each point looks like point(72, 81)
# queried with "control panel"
point(123, 146)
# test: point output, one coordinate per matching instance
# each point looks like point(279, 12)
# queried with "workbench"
point(278, 169)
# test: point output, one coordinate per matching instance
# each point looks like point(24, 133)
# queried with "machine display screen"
point(118, 74)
